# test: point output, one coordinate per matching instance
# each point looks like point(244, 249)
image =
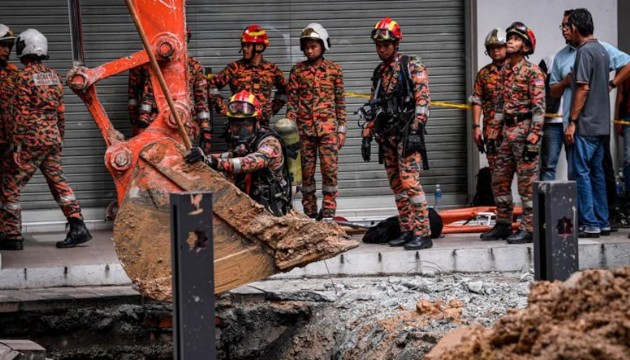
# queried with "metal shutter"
point(433, 30)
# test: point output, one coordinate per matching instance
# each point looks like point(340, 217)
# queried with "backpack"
point(389, 229)
point(483, 193)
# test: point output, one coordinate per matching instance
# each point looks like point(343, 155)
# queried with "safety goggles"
point(241, 109)
point(382, 35)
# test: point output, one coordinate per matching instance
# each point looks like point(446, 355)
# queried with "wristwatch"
point(611, 83)
point(474, 126)
point(573, 120)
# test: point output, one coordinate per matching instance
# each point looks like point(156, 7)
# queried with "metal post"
point(193, 276)
point(555, 230)
point(76, 30)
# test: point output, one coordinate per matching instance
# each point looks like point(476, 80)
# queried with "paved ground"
point(41, 265)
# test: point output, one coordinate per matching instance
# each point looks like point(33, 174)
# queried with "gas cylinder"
point(288, 131)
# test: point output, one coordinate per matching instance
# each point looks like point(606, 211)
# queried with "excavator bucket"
point(249, 242)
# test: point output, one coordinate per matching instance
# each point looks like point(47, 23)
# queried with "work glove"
point(142, 123)
point(366, 148)
point(482, 146)
point(530, 152)
point(196, 154)
point(492, 146)
point(205, 140)
point(5, 150)
point(413, 145)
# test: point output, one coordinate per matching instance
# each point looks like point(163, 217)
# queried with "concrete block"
point(26, 349)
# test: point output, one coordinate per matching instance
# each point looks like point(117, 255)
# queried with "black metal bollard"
point(193, 276)
point(555, 230)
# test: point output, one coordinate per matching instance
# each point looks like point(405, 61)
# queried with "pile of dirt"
point(585, 317)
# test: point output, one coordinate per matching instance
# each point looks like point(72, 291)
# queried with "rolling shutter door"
point(433, 30)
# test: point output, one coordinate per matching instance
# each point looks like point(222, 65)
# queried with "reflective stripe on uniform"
point(474, 100)
point(67, 199)
point(133, 102)
point(145, 108)
point(503, 199)
point(236, 165)
point(422, 110)
point(204, 115)
point(12, 206)
point(342, 129)
point(418, 199)
point(329, 189)
point(308, 189)
point(528, 204)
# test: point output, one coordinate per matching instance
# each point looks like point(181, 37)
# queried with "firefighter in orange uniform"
point(400, 90)
point(36, 134)
point(256, 162)
point(252, 73)
point(317, 105)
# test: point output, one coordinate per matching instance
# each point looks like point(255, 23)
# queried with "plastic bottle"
point(619, 184)
point(438, 197)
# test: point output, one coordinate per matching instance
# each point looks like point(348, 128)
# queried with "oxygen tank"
point(288, 131)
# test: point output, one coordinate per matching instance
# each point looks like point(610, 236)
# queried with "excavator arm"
point(249, 242)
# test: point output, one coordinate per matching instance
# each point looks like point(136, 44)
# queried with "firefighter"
point(400, 89)
point(7, 75)
point(485, 96)
point(256, 162)
point(317, 105)
point(522, 105)
point(197, 87)
point(252, 73)
point(137, 78)
point(36, 134)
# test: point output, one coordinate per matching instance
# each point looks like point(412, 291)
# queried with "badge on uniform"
point(45, 79)
point(539, 82)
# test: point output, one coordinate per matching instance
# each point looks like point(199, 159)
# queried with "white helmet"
point(315, 31)
point(6, 34)
point(31, 42)
point(496, 37)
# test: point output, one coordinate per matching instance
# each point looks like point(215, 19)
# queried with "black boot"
point(11, 243)
point(78, 234)
point(402, 239)
point(419, 243)
point(500, 231)
point(521, 237)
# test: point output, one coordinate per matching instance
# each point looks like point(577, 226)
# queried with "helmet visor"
point(383, 35)
point(241, 109)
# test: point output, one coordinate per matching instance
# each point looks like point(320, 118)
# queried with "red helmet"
point(387, 30)
point(244, 104)
point(525, 33)
point(255, 34)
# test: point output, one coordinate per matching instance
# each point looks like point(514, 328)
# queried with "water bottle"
point(438, 197)
point(619, 184)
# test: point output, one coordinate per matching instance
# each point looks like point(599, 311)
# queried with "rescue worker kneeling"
point(256, 162)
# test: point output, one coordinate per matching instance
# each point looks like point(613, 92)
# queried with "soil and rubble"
point(494, 316)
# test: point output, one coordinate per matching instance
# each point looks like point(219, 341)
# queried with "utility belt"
point(514, 119)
